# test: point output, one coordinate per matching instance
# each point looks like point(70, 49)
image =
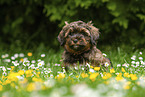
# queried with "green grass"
point(45, 77)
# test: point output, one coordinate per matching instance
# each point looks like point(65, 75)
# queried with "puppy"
point(79, 40)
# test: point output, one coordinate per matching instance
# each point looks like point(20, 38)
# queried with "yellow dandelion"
point(28, 73)
point(133, 77)
point(106, 76)
point(30, 87)
point(37, 79)
point(21, 72)
point(112, 70)
point(93, 76)
point(13, 76)
point(90, 72)
point(119, 77)
point(84, 75)
point(77, 76)
point(61, 76)
point(96, 68)
point(1, 87)
point(126, 75)
point(91, 67)
point(122, 69)
point(22, 59)
point(29, 54)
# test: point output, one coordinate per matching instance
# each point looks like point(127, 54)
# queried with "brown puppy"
point(79, 40)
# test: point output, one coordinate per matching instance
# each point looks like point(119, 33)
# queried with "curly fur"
point(79, 40)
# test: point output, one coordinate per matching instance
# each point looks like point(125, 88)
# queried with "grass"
point(30, 74)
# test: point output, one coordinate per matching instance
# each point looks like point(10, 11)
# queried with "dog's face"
point(78, 37)
point(77, 43)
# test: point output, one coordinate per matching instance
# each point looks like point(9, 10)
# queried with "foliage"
point(29, 23)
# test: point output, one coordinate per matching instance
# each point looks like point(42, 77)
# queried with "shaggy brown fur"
point(79, 40)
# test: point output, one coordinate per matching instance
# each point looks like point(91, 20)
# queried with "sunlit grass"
point(40, 74)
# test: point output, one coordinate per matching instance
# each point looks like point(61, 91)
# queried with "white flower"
point(15, 63)
point(16, 55)
point(25, 59)
point(140, 53)
point(42, 55)
point(26, 63)
point(7, 60)
point(3, 68)
point(40, 64)
point(140, 58)
point(133, 62)
point(76, 68)
point(137, 63)
point(118, 65)
point(133, 57)
point(39, 60)
point(51, 76)
point(91, 70)
point(88, 65)
point(142, 62)
point(104, 54)
point(8, 68)
point(125, 64)
point(13, 58)
point(33, 61)
point(83, 68)
point(32, 66)
point(3, 56)
point(106, 64)
point(21, 55)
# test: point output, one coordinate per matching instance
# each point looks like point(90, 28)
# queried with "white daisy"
point(42, 55)
point(106, 64)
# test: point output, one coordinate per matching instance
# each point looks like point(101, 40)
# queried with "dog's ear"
point(94, 34)
point(62, 34)
point(61, 38)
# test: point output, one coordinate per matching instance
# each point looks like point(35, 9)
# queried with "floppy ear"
point(94, 34)
point(61, 38)
point(62, 34)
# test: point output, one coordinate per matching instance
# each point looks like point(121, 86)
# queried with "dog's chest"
point(76, 59)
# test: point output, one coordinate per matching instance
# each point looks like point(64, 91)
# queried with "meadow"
point(33, 74)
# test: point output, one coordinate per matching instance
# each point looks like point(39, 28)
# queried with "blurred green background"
point(31, 24)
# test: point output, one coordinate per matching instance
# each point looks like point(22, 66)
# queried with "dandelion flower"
point(84, 75)
point(122, 69)
point(96, 68)
point(61, 76)
point(93, 76)
point(29, 54)
point(112, 70)
point(133, 77)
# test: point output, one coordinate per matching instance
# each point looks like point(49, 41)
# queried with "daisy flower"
point(106, 64)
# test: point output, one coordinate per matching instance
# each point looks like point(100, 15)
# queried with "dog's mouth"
point(77, 47)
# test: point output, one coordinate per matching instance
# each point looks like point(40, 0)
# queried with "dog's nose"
point(75, 40)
